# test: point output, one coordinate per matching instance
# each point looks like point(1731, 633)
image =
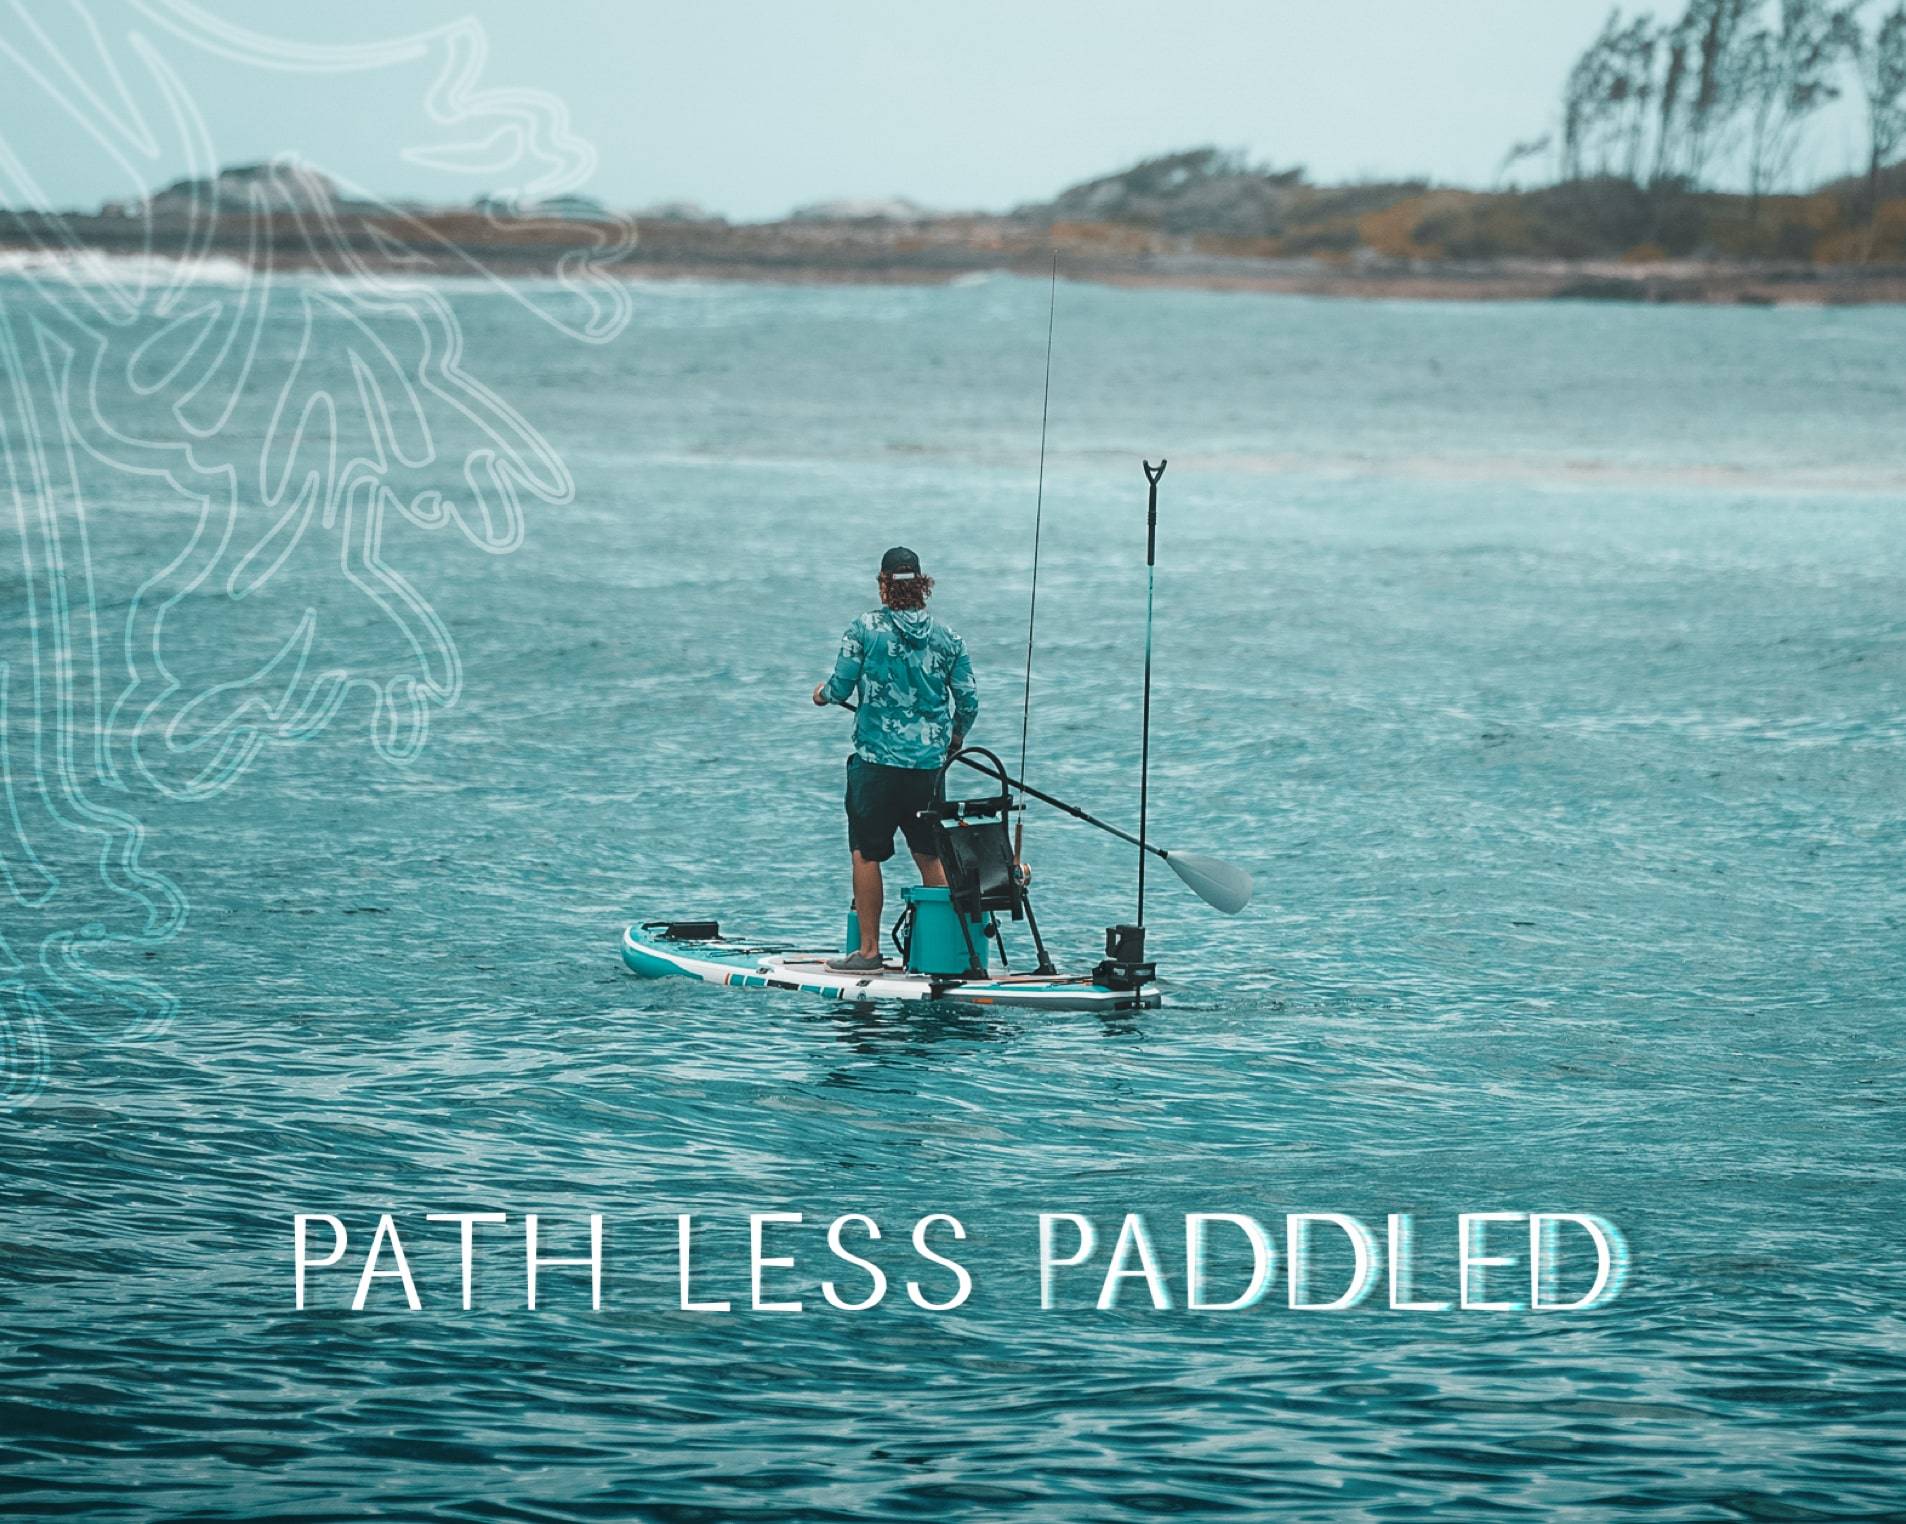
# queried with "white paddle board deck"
point(741, 965)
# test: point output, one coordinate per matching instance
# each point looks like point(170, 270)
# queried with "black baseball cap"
point(900, 562)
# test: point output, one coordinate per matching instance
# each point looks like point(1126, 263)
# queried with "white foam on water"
point(91, 267)
point(686, 287)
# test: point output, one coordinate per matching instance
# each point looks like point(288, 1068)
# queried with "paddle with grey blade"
point(1221, 885)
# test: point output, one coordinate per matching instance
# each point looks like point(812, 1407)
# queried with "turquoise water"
point(1546, 664)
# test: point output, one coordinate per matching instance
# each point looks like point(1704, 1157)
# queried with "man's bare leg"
point(869, 894)
point(931, 873)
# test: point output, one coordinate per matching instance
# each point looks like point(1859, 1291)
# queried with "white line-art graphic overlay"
point(314, 438)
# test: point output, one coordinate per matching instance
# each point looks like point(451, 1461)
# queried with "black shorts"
point(881, 799)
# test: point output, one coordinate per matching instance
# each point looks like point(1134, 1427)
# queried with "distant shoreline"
point(1668, 283)
point(929, 253)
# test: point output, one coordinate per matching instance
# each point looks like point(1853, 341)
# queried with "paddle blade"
point(1219, 885)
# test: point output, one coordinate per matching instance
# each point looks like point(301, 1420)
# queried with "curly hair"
point(905, 592)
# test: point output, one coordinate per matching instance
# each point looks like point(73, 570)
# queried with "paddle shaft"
point(1058, 804)
point(1073, 810)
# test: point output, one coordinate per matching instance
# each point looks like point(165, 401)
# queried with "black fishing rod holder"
point(1125, 966)
point(1152, 474)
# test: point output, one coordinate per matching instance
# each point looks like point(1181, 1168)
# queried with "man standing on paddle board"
point(916, 704)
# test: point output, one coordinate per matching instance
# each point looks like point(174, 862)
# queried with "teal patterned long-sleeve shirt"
point(914, 682)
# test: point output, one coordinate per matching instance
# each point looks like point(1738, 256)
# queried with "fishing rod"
point(1038, 517)
point(1221, 885)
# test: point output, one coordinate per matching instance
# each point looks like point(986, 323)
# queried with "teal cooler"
point(934, 945)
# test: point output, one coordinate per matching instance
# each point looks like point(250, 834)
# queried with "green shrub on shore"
point(1224, 212)
point(1653, 116)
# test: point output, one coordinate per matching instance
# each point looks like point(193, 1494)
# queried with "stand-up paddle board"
point(659, 949)
point(948, 936)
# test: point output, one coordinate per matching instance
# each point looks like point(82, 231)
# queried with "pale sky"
point(752, 108)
